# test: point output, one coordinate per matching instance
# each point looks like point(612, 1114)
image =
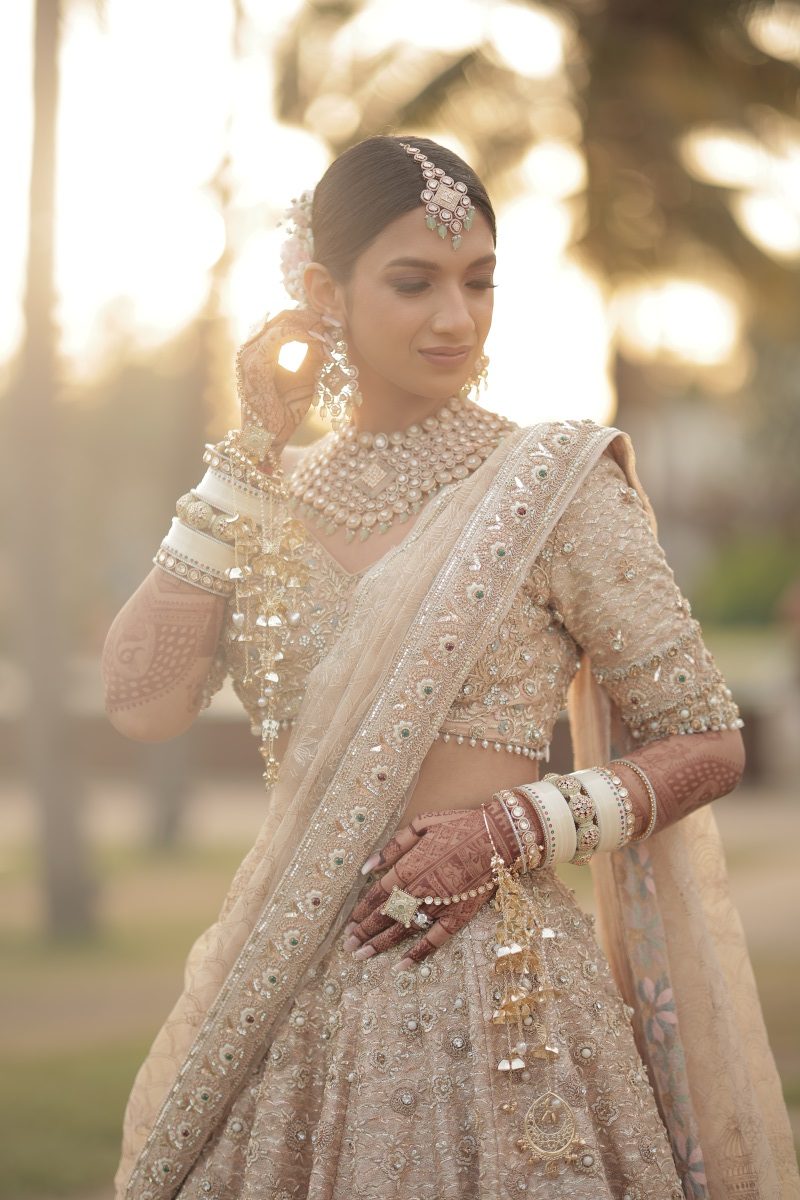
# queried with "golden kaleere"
point(521, 990)
point(267, 573)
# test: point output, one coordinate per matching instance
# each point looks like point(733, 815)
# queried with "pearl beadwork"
point(364, 482)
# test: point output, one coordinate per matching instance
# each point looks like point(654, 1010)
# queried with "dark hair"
point(372, 184)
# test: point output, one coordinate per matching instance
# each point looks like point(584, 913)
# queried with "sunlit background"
point(644, 161)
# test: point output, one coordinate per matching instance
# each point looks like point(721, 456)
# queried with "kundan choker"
point(365, 481)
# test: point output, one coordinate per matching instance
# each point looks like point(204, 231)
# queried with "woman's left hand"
point(438, 854)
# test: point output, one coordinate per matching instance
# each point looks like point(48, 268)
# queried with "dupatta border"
point(471, 593)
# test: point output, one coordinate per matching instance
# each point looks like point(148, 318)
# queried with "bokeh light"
point(530, 39)
point(775, 29)
point(684, 320)
point(762, 173)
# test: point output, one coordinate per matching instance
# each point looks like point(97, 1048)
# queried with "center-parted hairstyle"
point(372, 184)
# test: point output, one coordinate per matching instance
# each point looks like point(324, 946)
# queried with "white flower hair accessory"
point(298, 248)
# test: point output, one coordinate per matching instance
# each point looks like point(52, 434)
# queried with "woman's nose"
point(453, 315)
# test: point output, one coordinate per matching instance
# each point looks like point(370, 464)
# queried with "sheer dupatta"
point(675, 943)
point(418, 621)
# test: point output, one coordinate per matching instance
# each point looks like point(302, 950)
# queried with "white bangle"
point(614, 809)
point(229, 494)
point(232, 495)
point(558, 826)
point(196, 557)
point(215, 556)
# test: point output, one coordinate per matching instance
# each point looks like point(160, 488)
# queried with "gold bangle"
point(522, 828)
point(637, 770)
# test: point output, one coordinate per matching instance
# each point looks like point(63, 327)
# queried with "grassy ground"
point(76, 1021)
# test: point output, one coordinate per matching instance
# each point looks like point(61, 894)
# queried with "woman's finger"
point(434, 939)
point(377, 922)
point(375, 898)
point(406, 838)
point(384, 940)
point(442, 930)
point(399, 844)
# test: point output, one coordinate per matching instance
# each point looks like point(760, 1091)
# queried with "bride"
point(400, 997)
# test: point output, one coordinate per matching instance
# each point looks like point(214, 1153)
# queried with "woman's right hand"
point(440, 853)
point(269, 394)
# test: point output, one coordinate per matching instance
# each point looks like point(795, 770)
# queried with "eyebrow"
point(432, 266)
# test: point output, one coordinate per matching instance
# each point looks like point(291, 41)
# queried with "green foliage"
point(60, 1118)
point(745, 582)
point(80, 1017)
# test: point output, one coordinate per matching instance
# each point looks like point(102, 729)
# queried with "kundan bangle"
point(637, 770)
point(615, 816)
point(238, 460)
point(196, 557)
point(555, 818)
point(584, 813)
point(524, 832)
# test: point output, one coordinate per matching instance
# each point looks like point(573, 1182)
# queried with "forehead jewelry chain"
point(448, 208)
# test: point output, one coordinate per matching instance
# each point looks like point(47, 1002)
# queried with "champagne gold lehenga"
point(288, 1069)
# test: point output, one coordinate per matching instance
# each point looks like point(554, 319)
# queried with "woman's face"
point(410, 294)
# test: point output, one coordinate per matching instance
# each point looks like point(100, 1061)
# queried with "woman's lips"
point(445, 360)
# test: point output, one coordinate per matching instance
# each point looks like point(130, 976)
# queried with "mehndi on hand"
point(269, 394)
point(438, 854)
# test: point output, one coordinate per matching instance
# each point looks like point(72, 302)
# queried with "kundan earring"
point(336, 390)
point(476, 381)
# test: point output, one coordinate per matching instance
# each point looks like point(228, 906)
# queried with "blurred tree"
point(168, 763)
point(37, 470)
point(635, 78)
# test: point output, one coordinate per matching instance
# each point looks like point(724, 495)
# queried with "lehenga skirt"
point(384, 1084)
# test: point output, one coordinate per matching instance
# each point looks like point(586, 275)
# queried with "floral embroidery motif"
point(442, 650)
point(611, 567)
point(432, 1079)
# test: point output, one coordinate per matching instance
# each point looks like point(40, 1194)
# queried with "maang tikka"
point(448, 208)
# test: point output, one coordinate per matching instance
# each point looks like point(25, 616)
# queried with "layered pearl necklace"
point(366, 481)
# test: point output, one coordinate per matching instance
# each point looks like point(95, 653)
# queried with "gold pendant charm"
point(522, 982)
point(550, 1133)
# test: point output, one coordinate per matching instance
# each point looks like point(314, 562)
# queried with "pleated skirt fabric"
point(382, 1085)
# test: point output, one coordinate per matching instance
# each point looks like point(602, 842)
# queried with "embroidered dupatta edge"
point(211, 1073)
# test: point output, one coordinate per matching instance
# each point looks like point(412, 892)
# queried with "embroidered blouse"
point(600, 584)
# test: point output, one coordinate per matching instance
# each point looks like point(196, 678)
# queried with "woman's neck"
point(392, 418)
point(386, 408)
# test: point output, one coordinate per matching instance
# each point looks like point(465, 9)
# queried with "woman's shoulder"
point(571, 429)
point(606, 445)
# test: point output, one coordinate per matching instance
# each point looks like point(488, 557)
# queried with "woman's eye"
point(413, 288)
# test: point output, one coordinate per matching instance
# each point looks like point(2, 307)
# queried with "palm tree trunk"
point(39, 473)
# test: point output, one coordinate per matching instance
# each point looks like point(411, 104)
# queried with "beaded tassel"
point(266, 575)
point(522, 987)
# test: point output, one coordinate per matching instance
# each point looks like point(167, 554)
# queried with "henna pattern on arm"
point(686, 772)
point(162, 641)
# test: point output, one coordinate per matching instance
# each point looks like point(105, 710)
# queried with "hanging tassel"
point(521, 987)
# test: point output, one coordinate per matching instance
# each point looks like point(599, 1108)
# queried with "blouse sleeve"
point(616, 594)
